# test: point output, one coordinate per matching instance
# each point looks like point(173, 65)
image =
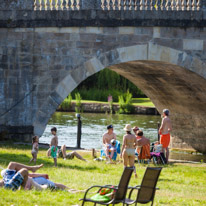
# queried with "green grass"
point(180, 184)
point(144, 102)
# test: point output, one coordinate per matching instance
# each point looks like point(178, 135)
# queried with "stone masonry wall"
point(40, 66)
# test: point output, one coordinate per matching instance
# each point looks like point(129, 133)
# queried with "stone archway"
point(171, 78)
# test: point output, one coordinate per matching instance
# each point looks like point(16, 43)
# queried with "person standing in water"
point(164, 131)
point(128, 148)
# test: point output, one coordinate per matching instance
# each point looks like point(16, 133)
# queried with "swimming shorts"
point(8, 174)
point(165, 140)
point(130, 151)
point(43, 181)
point(12, 180)
point(53, 153)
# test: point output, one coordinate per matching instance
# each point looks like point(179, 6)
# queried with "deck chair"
point(121, 190)
point(145, 191)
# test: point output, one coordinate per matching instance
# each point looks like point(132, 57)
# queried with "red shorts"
point(165, 140)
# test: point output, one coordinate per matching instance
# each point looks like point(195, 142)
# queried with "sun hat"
point(128, 128)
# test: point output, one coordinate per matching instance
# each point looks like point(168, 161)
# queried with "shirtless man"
point(107, 137)
point(63, 154)
point(164, 132)
point(16, 175)
point(53, 145)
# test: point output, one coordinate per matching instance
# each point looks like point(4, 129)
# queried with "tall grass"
point(125, 103)
point(66, 104)
point(78, 107)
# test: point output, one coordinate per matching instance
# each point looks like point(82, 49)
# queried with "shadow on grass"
point(6, 158)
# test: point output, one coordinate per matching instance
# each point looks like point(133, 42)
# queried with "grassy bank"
point(143, 102)
point(180, 184)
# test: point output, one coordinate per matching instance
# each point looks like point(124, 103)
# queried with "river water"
point(94, 126)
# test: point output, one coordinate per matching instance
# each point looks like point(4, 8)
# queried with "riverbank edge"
point(105, 108)
point(46, 146)
point(178, 150)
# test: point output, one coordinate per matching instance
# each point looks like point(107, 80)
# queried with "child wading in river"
point(35, 148)
point(53, 145)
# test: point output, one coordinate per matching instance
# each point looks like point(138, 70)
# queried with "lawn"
point(180, 184)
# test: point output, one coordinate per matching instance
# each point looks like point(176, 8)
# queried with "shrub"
point(66, 104)
point(78, 107)
point(125, 103)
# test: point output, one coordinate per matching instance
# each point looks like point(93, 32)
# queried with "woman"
point(128, 148)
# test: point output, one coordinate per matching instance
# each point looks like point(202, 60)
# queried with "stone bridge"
point(48, 47)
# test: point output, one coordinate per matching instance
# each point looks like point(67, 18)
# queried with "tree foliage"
point(104, 83)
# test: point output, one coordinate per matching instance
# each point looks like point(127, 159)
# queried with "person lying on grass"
point(16, 175)
point(42, 182)
point(62, 154)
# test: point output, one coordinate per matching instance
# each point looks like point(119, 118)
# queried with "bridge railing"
point(132, 5)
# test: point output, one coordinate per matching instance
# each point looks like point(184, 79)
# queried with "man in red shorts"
point(164, 132)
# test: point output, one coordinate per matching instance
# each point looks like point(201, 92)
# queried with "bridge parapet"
point(102, 13)
point(132, 5)
point(123, 5)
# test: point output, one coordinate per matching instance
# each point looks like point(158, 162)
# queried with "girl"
point(35, 148)
point(128, 148)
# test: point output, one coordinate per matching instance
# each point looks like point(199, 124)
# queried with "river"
point(94, 126)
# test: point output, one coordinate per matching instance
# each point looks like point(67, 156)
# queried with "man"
point(135, 129)
point(164, 132)
point(143, 144)
point(16, 175)
point(107, 137)
point(62, 154)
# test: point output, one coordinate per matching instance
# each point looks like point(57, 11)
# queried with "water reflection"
point(94, 125)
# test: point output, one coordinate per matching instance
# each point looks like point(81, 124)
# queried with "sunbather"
point(16, 175)
point(128, 148)
point(42, 179)
point(62, 154)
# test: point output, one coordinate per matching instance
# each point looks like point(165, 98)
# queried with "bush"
point(66, 104)
point(78, 107)
point(125, 103)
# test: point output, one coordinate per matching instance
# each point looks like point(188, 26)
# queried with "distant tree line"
point(104, 83)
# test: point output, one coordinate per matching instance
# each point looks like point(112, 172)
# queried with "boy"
point(53, 145)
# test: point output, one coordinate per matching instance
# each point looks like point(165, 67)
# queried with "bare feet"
point(35, 168)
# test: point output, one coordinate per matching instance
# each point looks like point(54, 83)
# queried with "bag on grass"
point(104, 195)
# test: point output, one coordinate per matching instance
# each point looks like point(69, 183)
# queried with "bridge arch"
point(172, 79)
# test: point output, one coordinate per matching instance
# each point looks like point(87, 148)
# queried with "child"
point(53, 145)
point(35, 148)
